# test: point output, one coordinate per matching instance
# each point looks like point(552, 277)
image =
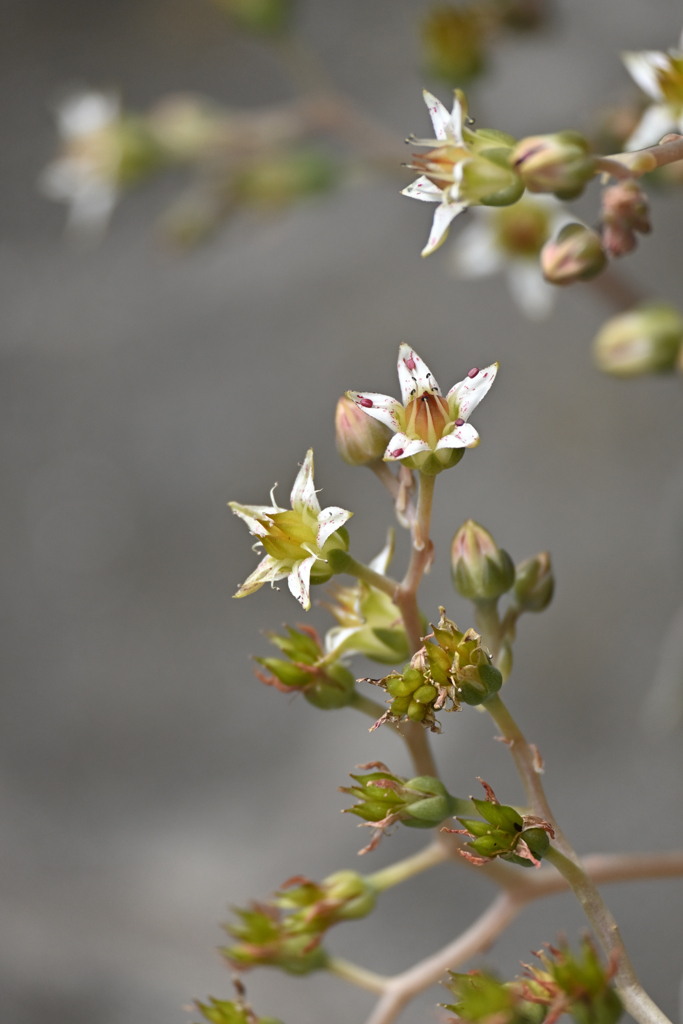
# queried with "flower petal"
point(532, 293)
point(329, 520)
point(303, 494)
point(642, 65)
point(475, 253)
point(443, 215)
point(656, 122)
point(414, 375)
point(458, 115)
point(83, 113)
point(380, 563)
point(441, 119)
point(381, 407)
point(462, 437)
point(252, 514)
point(300, 581)
point(423, 188)
point(401, 447)
point(268, 570)
point(465, 396)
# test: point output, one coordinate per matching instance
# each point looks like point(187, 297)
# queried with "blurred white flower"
point(660, 75)
point(509, 239)
point(85, 174)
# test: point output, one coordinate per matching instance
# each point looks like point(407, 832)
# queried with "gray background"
point(146, 779)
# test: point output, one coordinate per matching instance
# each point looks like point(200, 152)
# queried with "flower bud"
point(582, 984)
point(559, 163)
point(187, 127)
point(481, 570)
point(360, 438)
point(265, 17)
point(453, 44)
point(324, 684)
point(505, 833)
point(282, 176)
point(625, 211)
point(575, 255)
point(342, 896)
point(647, 339)
point(481, 998)
point(534, 583)
point(221, 1011)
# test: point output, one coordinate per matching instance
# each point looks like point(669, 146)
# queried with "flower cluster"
point(566, 983)
point(286, 931)
point(431, 431)
point(660, 76)
point(521, 839)
point(452, 666)
point(296, 541)
point(385, 799)
point(306, 669)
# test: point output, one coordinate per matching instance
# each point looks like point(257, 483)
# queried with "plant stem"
point(634, 997)
point(357, 975)
point(488, 624)
point(375, 579)
point(412, 733)
point(642, 161)
point(367, 706)
point(420, 559)
point(394, 874)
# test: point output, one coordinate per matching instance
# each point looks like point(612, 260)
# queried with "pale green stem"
point(375, 579)
point(356, 975)
point(394, 874)
point(367, 706)
point(488, 624)
point(562, 855)
point(420, 559)
point(642, 161)
point(412, 733)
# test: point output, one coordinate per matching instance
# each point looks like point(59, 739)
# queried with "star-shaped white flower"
point(431, 432)
point(296, 540)
point(660, 75)
point(82, 176)
point(458, 172)
point(509, 239)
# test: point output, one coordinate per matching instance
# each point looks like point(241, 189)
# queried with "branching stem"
point(402, 870)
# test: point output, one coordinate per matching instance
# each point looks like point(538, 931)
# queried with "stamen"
point(367, 403)
point(459, 422)
point(473, 372)
point(396, 452)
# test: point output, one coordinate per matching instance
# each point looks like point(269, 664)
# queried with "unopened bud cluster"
point(305, 669)
point(625, 212)
point(222, 1011)
point(579, 985)
point(521, 839)
point(452, 666)
point(286, 931)
point(576, 254)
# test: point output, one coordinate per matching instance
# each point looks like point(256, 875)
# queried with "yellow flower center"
point(426, 417)
point(671, 80)
point(287, 535)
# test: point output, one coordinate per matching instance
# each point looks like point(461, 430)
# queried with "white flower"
point(83, 176)
point(431, 432)
point(509, 239)
point(462, 168)
point(660, 75)
point(296, 541)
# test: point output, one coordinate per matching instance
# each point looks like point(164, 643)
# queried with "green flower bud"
point(325, 684)
point(575, 255)
point(360, 439)
point(265, 17)
point(481, 998)
point(581, 982)
point(384, 799)
point(220, 1011)
point(647, 339)
point(264, 939)
point(453, 44)
point(481, 570)
point(559, 163)
point(282, 176)
point(504, 833)
point(317, 906)
point(534, 583)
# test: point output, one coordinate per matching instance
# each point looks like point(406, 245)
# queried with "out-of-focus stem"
point(375, 579)
point(367, 706)
point(402, 870)
point(642, 161)
point(356, 975)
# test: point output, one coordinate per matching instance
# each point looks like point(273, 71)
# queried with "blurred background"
point(147, 780)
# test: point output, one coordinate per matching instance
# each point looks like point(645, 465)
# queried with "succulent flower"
point(296, 541)
point(103, 150)
point(510, 239)
point(522, 839)
point(660, 76)
point(462, 168)
point(431, 432)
